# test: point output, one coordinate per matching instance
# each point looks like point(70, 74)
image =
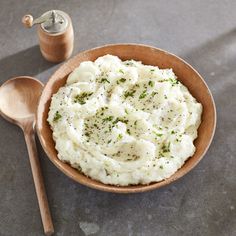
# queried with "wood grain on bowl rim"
point(150, 56)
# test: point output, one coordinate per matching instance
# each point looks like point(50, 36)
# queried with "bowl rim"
point(131, 188)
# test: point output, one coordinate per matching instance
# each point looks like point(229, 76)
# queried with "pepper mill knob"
point(27, 21)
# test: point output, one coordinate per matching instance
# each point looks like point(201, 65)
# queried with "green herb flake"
point(153, 94)
point(57, 116)
point(129, 63)
point(172, 132)
point(157, 134)
point(105, 80)
point(151, 83)
point(119, 137)
point(121, 71)
point(116, 121)
point(109, 118)
point(166, 148)
point(173, 81)
point(161, 167)
point(124, 121)
point(129, 93)
point(122, 80)
point(80, 98)
point(143, 94)
point(152, 70)
point(120, 120)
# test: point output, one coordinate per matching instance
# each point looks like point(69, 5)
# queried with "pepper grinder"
point(55, 32)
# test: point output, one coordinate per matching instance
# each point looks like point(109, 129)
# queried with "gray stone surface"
point(201, 203)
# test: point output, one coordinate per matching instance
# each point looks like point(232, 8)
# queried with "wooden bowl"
point(150, 56)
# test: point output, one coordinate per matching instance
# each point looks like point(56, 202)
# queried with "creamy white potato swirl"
point(123, 123)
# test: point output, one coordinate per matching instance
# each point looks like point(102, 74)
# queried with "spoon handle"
point(38, 180)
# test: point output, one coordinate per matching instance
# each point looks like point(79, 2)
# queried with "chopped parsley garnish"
point(57, 116)
point(105, 80)
point(128, 131)
point(157, 134)
point(166, 148)
point(116, 121)
point(121, 71)
point(129, 93)
point(81, 102)
point(119, 137)
point(122, 80)
point(143, 94)
point(173, 81)
point(152, 70)
point(161, 167)
point(129, 63)
point(172, 132)
point(126, 111)
point(153, 94)
point(121, 120)
point(109, 118)
point(80, 98)
point(151, 83)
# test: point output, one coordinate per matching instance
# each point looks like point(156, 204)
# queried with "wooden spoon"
point(18, 103)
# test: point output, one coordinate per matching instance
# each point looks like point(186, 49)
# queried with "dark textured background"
point(203, 202)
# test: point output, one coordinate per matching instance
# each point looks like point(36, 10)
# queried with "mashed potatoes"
point(122, 122)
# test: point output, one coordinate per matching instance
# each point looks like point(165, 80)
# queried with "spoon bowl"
point(19, 98)
point(18, 103)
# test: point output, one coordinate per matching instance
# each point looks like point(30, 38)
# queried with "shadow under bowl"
point(149, 56)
